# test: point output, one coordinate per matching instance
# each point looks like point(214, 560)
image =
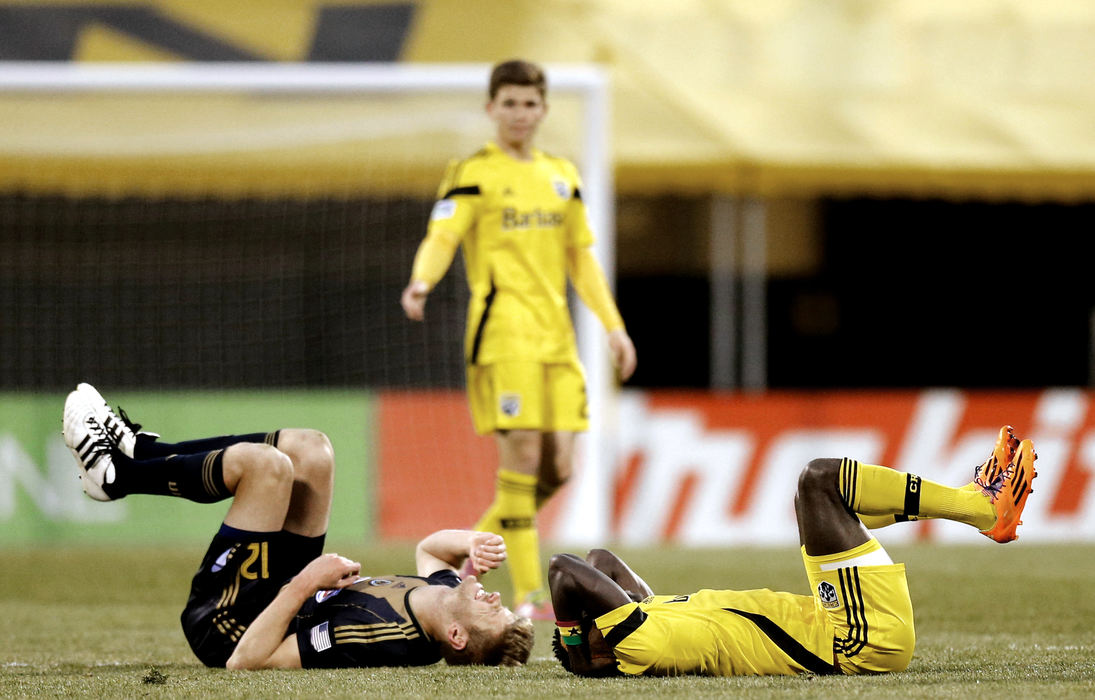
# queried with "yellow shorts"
point(869, 608)
point(858, 620)
point(528, 396)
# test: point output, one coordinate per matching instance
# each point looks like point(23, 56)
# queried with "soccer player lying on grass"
point(265, 596)
point(859, 618)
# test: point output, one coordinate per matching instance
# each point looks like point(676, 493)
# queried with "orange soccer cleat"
point(1009, 491)
point(1002, 454)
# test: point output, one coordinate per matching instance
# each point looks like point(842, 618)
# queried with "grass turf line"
point(991, 621)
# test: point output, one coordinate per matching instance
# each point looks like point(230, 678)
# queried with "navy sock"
point(149, 448)
point(195, 477)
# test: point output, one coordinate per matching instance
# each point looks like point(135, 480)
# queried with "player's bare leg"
point(260, 477)
point(825, 524)
point(313, 460)
point(556, 464)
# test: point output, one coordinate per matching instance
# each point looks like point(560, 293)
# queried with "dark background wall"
point(214, 293)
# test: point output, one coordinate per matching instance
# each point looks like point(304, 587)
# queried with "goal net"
point(239, 226)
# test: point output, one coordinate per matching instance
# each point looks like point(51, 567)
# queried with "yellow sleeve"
point(579, 234)
point(588, 279)
point(452, 216)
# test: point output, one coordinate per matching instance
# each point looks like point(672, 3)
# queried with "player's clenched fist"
point(487, 551)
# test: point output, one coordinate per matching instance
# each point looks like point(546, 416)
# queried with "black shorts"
point(239, 576)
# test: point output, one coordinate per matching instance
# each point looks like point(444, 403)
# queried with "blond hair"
point(511, 648)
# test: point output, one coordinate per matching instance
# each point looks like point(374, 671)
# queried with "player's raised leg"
point(993, 502)
point(107, 473)
point(983, 476)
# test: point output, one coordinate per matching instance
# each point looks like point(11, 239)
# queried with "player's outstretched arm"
point(264, 644)
point(448, 549)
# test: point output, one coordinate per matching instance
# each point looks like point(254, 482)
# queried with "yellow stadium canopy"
point(979, 98)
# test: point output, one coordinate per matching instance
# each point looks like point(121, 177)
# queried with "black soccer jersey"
point(367, 624)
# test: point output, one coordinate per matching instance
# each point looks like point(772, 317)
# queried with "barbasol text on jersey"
point(537, 218)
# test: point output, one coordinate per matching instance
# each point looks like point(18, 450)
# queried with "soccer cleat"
point(90, 444)
point(1002, 454)
point(121, 431)
point(536, 606)
point(1009, 492)
point(116, 431)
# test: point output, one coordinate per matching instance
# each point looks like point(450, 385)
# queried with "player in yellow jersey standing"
point(519, 214)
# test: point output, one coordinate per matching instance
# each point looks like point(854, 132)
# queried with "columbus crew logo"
point(826, 593)
point(510, 404)
point(561, 189)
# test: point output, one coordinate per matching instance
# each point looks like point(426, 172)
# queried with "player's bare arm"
point(449, 549)
point(617, 569)
point(589, 281)
point(264, 644)
point(581, 593)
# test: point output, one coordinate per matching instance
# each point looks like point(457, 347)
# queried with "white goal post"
point(585, 516)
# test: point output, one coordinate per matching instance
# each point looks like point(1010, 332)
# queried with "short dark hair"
point(517, 72)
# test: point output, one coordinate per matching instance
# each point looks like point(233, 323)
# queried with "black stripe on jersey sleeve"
point(631, 623)
point(577, 194)
point(466, 190)
point(788, 645)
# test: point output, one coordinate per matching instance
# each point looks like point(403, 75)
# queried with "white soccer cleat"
point(118, 431)
point(90, 444)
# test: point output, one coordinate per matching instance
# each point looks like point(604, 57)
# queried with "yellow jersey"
point(721, 633)
point(516, 220)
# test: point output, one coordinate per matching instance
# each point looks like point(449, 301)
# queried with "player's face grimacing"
point(517, 110)
point(481, 609)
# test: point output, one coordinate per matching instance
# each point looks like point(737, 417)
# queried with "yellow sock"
point(515, 506)
point(489, 522)
point(870, 490)
point(873, 522)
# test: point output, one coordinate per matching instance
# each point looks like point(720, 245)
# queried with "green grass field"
point(1014, 621)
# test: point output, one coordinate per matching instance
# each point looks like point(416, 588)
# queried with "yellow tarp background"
point(978, 98)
